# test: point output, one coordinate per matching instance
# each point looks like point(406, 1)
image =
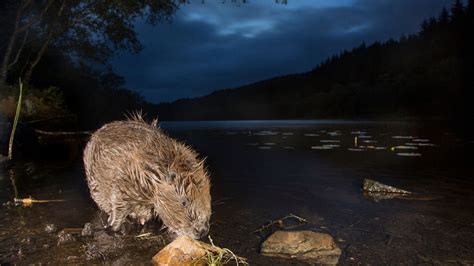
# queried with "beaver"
point(136, 172)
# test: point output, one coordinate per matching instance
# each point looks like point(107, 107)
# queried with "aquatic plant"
point(15, 122)
point(216, 256)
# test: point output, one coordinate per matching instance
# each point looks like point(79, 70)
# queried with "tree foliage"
point(85, 30)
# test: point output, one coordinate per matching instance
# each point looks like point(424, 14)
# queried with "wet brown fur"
point(135, 171)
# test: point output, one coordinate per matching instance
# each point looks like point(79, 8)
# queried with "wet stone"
point(64, 237)
point(50, 228)
point(308, 246)
point(374, 186)
point(87, 230)
point(182, 251)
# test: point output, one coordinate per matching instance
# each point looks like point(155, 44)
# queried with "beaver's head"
point(184, 200)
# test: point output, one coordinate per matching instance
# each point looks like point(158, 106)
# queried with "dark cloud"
point(215, 46)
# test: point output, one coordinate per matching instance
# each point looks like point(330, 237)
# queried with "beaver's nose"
point(202, 232)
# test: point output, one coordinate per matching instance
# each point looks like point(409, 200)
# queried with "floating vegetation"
point(358, 132)
point(370, 141)
point(403, 137)
point(365, 137)
point(421, 140)
point(373, 147)
point(266, 133)
point(289, 148)
point(409, 154)
point(404, 147)
point(269, 143)
point(330, 141)
point(287, 133)
point(332, 145)
point(334, 133)
point(311, 135)
point(324, 147)
point(264, 147)
point(355, 149)
point(421, 144)
point(380, 148)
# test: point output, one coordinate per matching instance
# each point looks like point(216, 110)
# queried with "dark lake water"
point(265, 170)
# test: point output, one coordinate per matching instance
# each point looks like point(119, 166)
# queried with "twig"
point(143, 235)
point(279, 221)
point(29, 201)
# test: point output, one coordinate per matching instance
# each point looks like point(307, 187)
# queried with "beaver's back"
point(117, 157)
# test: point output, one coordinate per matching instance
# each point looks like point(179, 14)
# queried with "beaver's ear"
point(171, 177)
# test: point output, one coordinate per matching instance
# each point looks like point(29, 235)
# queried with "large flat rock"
point(311, 247)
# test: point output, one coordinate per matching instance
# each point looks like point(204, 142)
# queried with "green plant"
point(15, 122)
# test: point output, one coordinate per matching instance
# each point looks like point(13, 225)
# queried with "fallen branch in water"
point(29, 201)
point(280, 222)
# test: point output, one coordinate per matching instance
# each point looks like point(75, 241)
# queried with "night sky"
point(215, 46)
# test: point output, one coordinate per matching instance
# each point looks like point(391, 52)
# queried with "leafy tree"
point(88, 30)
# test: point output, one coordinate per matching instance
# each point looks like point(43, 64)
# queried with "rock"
point(64, 237)
point(374, 186)
point(87, 230)
point(50, 228)
point(182, 251)
point(308, 246)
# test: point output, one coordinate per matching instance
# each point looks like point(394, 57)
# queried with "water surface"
point(264, 170)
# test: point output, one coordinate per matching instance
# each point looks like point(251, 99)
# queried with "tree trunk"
point(9, 49)
point(39, 55)
point(32, 65)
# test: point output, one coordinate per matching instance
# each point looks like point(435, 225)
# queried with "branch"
point(19, 51)
point(37, 18)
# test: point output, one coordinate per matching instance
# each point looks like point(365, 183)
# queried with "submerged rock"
point(308, 246)
point(182, 251)
point(374, 186)
point(377, 191)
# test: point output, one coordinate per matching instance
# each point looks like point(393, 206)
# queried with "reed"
point(15, 122)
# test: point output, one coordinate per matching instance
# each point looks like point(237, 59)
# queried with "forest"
point(425, 75)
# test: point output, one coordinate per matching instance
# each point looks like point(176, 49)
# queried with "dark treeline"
point(428, 75)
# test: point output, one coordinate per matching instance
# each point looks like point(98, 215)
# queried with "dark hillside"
point(429, 74)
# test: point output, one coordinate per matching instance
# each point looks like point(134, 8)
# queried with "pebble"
point(50, 228)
